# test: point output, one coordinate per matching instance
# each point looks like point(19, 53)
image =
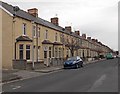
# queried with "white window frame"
point(59, 52)
point(46, 34)
point(50, 52)
point(21, 49)
point(24, 28)
point(28, 49)
point(34, 31)
point(56, 36)
point(38, 31)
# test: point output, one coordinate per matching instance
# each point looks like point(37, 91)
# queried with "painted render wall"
point(7, 40)
point(51, 34)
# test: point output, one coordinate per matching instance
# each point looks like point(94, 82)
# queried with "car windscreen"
point(72, 58)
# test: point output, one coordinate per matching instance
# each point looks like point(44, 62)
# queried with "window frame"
point(34, 31)
point(24, 28)
point(50, 52)
point(56, 52)
point(56, 36)
point(21, 55)
point(28, 50)
point(38, 31)
point(46, 34)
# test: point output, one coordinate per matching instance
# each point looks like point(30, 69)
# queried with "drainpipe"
point(37, 43)
point(15, 50)
point(15, 9)
point(33, 45)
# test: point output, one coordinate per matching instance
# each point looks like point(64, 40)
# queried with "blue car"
point(73, 62)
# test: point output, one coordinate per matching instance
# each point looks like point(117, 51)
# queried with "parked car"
point(118, 56)
point(109, 56)
point(73, 62)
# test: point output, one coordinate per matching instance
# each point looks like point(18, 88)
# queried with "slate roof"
point(25, 15)
point(23, 38)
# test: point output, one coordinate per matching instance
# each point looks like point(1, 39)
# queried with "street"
point(101, 76)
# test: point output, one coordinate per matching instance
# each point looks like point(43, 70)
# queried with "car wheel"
point(81, 65)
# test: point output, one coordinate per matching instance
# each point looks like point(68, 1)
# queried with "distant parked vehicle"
point(109, 56)
point(114, 56)
point(118, 56)
point(73, 62)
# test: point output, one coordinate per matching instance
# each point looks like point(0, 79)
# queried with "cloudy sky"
point(96, 18)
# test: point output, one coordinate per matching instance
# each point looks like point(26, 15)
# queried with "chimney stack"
point(77, 32)
point(93, 40)
point(89, 38)
point(68, 28)
point(84, 36)
point(55, 21)
point(33, 11)
point(96, 40)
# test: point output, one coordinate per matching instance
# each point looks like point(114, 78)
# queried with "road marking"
point(98, 83)
point(16, 87)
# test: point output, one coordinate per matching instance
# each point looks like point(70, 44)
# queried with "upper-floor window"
point(62, 38)
point(80, 41)
point(67, 39)
point(56, 37)
point(34, 31)
point(24, 28)
point(46, 34)
point(38, 31)
point(83, 42)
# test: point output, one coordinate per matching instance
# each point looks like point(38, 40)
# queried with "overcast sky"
point(96, 18)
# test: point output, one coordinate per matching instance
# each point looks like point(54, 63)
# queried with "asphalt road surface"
point(101, 76)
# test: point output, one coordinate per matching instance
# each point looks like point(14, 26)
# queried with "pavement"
point(14, 74)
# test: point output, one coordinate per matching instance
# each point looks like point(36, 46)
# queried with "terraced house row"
point(27, 37)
